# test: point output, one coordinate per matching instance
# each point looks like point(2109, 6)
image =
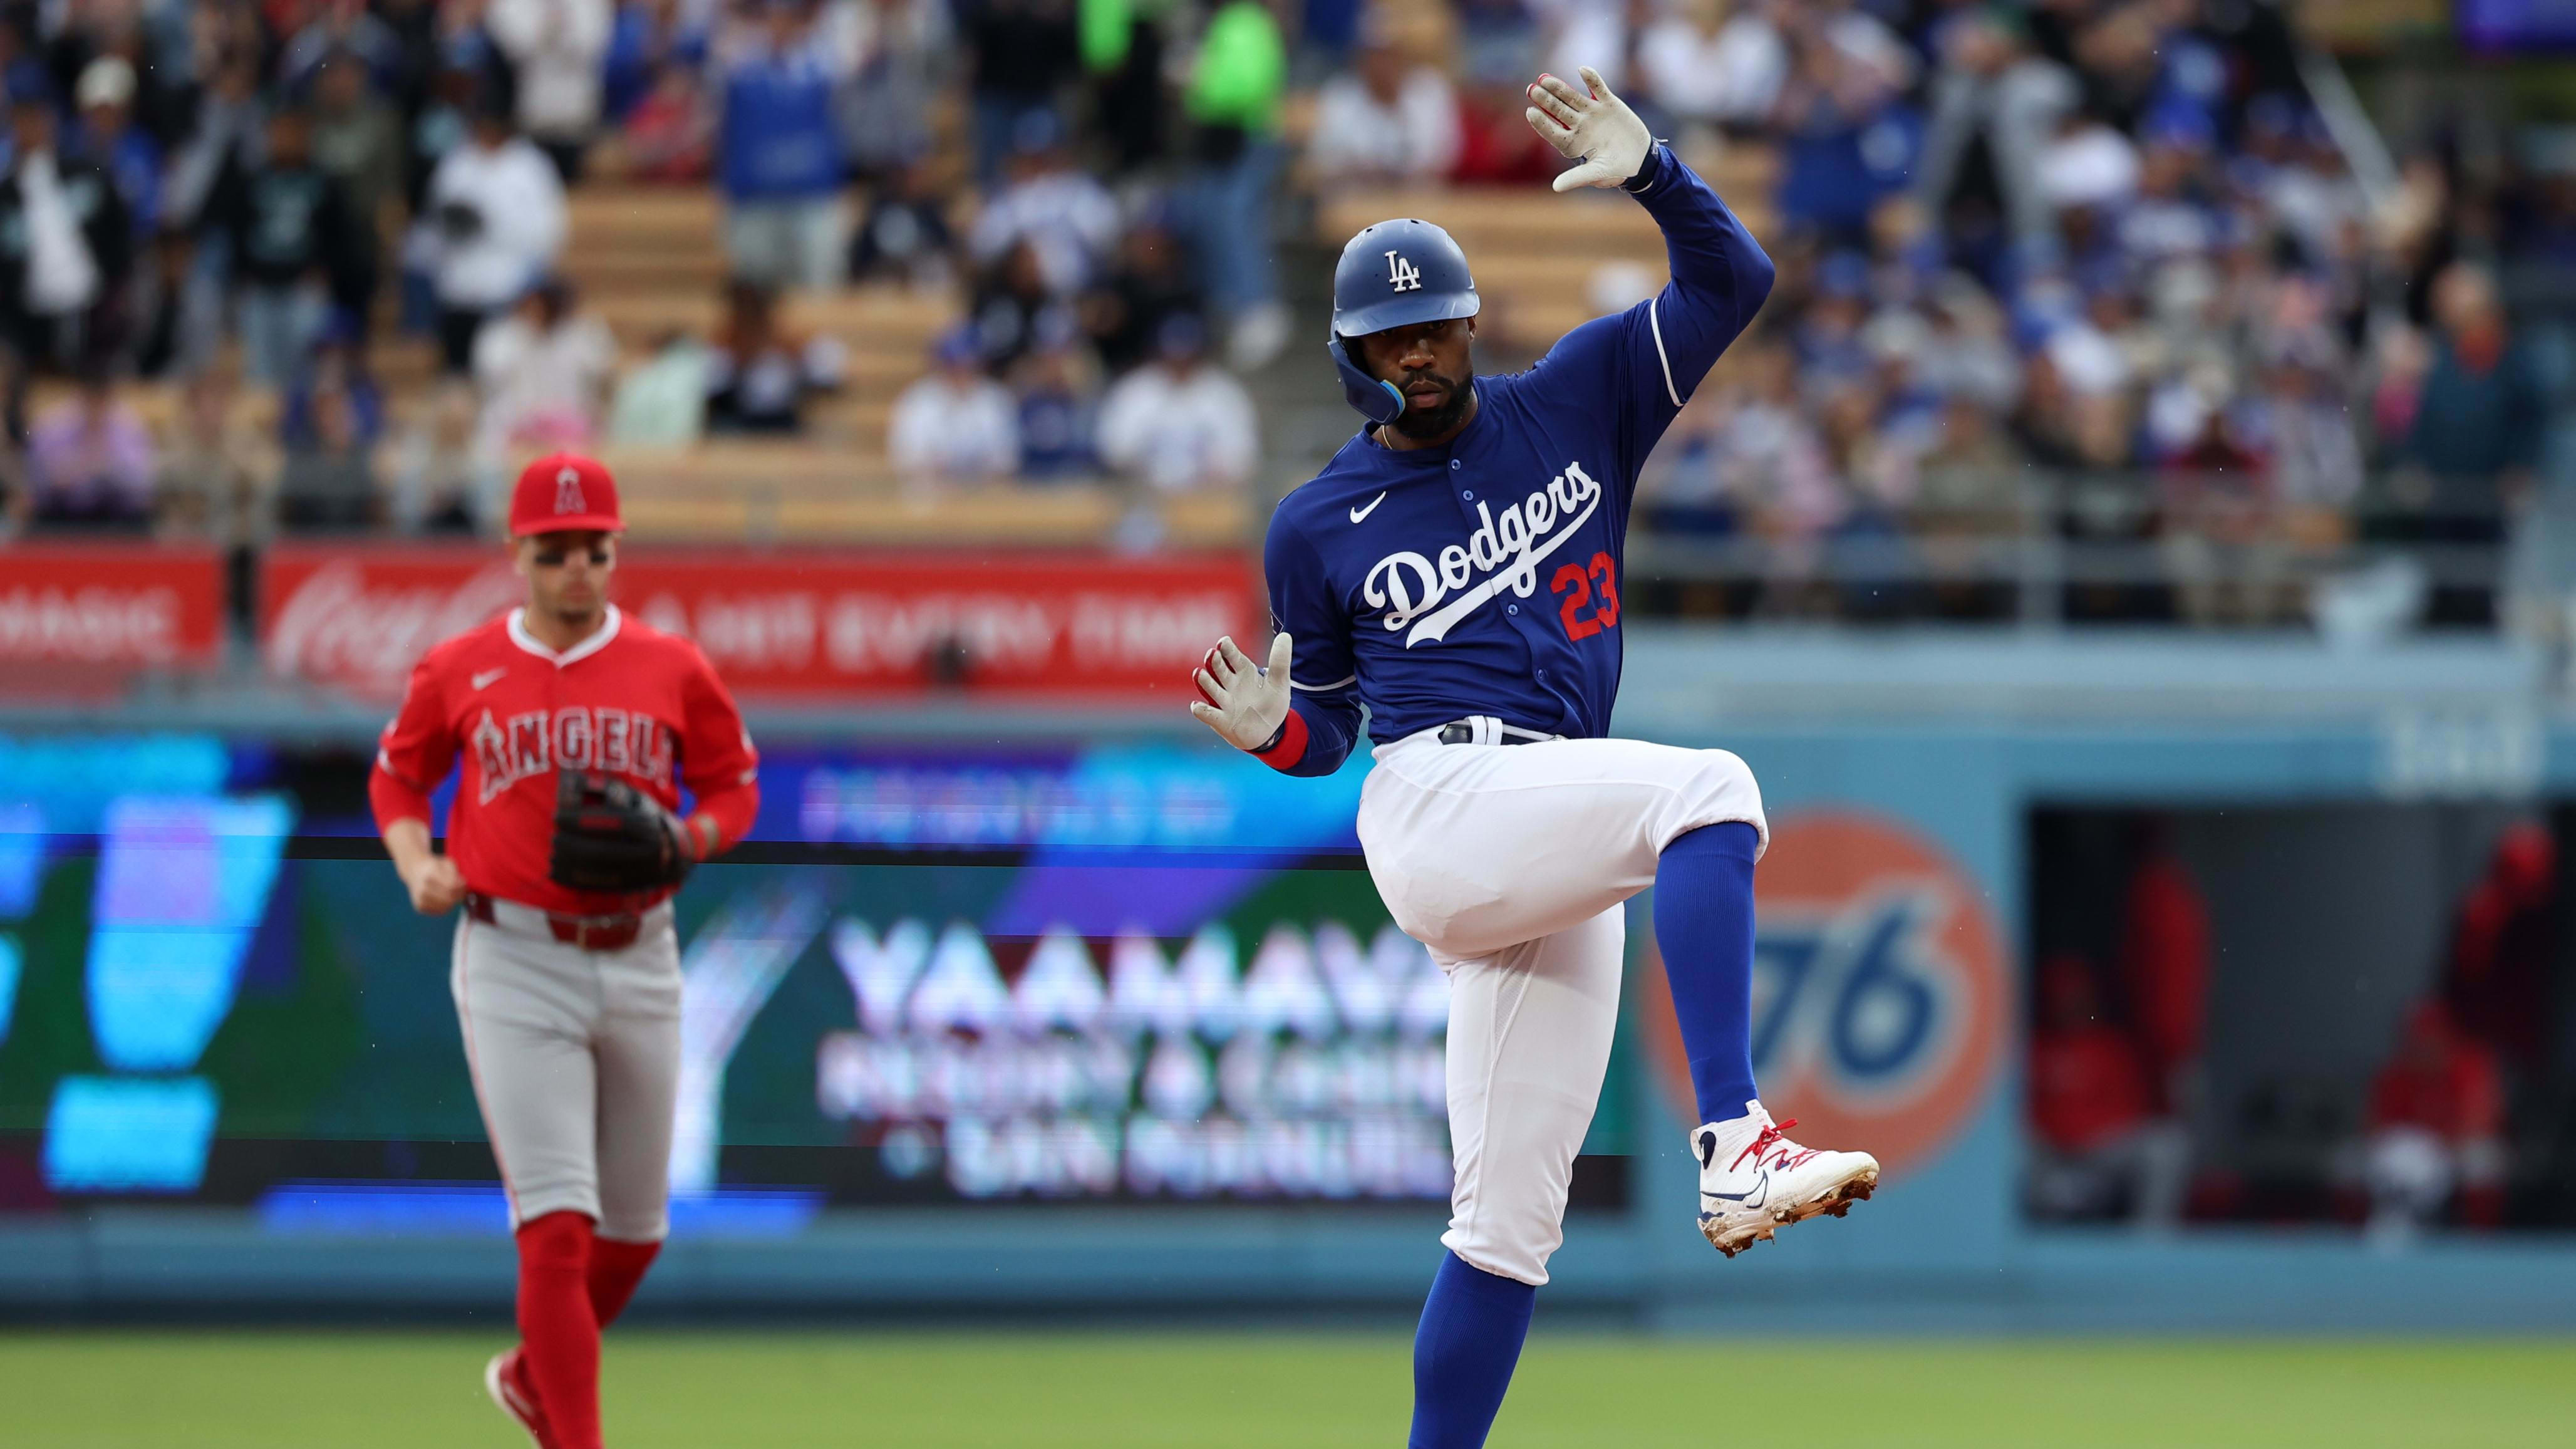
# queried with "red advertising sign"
point(791, 623)
point(109, 605)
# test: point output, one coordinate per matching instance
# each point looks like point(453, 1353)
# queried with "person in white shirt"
point(557, 48)
point(957, 425)
point(494, 215)
point(1705, 64)
point(1180, 424)
point(542, 372)
point(1383, 121)
point(1068, 217)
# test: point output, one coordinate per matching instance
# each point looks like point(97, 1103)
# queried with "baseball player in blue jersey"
point(1456, 570)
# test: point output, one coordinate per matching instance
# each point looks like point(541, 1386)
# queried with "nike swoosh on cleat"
point(1746, 1197)
point(1360, 515)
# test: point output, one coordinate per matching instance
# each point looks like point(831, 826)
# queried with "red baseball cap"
point(562, 493)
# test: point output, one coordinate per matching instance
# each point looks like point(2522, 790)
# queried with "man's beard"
point(1414, 423)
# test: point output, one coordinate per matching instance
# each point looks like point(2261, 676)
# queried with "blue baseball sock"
point(1704, 924)
point(1472, 1327)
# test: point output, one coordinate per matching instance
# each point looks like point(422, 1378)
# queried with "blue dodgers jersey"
point(1483, 578)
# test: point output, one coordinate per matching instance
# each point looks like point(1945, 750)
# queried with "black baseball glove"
point(610, 836)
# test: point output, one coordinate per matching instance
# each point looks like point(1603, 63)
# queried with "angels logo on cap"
point(564, 492)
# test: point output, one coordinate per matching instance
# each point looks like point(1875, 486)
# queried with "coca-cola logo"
point(341, 624)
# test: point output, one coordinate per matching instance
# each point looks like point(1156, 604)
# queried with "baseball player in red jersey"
point(576, 727)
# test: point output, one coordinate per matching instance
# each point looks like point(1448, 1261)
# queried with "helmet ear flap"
point(1377, 399)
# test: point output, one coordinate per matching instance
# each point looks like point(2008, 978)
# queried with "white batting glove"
point(1595, 128)
point(1244, 702)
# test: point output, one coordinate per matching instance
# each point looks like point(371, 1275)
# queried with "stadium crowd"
point(2091, 272)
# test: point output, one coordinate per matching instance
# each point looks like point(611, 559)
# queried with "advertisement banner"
point(117, 606)
point(1056, 625)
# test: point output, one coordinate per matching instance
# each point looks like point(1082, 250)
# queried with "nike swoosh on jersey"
point(487, 676)
point(1360, 515)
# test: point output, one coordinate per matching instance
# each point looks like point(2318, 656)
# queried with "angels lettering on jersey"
point(612, 741)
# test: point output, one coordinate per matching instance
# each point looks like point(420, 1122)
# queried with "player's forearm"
point(407, 841)
point(1312, 741)
point(723, 819)
point(398, 803)
point(1720, 274)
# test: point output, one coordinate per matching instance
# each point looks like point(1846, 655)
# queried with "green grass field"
point(1220, 1390)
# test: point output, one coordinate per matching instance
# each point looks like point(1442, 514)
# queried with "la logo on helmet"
point(568, 493)
point(1401, 275)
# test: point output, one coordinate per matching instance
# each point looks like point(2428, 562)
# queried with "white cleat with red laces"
point(1753, 1181)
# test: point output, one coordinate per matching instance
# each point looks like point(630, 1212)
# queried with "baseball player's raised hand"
point(1591, 126)
point(1244, 702)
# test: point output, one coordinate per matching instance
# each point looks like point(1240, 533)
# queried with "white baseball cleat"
point(1753, 1181)
point(505, 1378)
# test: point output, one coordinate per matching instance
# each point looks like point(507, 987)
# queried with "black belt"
point(1484, 729)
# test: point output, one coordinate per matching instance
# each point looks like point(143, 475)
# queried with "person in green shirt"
point(1232, 102)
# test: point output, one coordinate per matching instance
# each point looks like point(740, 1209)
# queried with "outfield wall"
point(1900, 794)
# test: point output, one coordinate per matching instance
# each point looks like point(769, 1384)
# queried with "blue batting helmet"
point(1394, 274)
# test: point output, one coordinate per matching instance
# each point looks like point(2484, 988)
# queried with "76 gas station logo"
point(1879, 988)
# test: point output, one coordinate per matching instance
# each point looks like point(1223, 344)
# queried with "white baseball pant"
point(1512, 863)
point(576, 1062)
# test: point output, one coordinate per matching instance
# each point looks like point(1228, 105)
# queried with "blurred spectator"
point(1848, 138)
point(1058, 403)
point(1995, 105)
point(758, 374)
point(662, 401)
point(667, 134)
point(1012, 303)
point(1051, 206)
point(905, 236)
point(1149, 285)
point(1123, 50)
point(1384, 122)
point(1706, 64)
point(1026, 52)
point(358, 142)
point(2499, 981)
point(1967, 508)
point(337, 25)
point(897, 54)
point(497, 223)
point(1496, 146)
point(328, 484)
point(337, 364)
point(443, 483)
point(89, 463)
point(288, 230)
point(107, 134)
point(65, 245)
point(215, 472)
point(648, 41)
point(1232, 101)
point(2164, 963)
point(1180, 424)
point(2099, 1148)
point(2475, 440)
point(543, 373)
point(2435, 1130)
point(779, 152)
point(556, 50)
point(956, 425)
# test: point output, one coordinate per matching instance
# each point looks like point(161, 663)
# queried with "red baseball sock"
point(558, 1334)
point(616, 1268)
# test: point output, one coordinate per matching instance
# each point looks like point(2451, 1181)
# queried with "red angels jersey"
point(629, 700)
